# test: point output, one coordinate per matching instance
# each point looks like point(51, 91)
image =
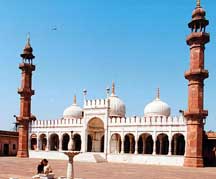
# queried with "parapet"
point(154, 120)
point(56, 123)
point(96, 103)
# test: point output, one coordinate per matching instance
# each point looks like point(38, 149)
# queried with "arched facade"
point(54, 142)
point(96, 131)
point(33, 141)
point(129, 143)
point(162, 144)
point(115, 143)
point(65, 141)
point(145, 144)
point(178, 144)
point(77, 142)
point(43, 142)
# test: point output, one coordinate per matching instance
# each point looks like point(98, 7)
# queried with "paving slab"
point(26, 168)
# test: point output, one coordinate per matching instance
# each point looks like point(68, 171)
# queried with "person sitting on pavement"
point(47, 168)
point(40, 168)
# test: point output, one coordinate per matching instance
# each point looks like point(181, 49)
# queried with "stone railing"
point(97, 103)
point(154, 120)
point(56, 123)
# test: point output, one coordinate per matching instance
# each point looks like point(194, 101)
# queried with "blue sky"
point(140, 44)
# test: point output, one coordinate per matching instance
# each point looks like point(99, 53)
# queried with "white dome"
point(157, 108)
point(73, 111)
point(117, 106)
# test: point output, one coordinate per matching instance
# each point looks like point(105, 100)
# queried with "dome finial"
point(113, 88)
point(198, 3)
point(28, 39)
point(74, 99)
point(158, 93)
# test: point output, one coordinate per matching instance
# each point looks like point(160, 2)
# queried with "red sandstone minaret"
point(25, 99)
point(196, 75)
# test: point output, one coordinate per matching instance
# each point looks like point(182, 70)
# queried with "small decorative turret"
point(27, 54)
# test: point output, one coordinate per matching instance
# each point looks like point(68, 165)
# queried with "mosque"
point(101, 130)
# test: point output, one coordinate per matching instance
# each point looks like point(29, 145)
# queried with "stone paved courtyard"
point(25, 168)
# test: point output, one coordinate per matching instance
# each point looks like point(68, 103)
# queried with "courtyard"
point(24, 168)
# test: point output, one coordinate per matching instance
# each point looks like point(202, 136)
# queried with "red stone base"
point(193, 162)
point(22, 154)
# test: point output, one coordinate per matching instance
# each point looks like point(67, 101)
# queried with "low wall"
point(115, 158)
point(147, 159)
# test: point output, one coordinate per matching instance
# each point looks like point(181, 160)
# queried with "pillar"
point(136, 145)
point(122, 144)
point(154, 146)
point(170, 146)
point(60, 142)
point(38, 142)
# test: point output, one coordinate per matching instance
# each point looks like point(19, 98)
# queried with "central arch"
point(96, 135)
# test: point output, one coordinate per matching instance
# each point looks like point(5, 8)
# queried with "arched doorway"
point(129, 143)
point(65, 141)
point(33, 141)
point(77, 142)
point(145, 144)
point(54, 142)
point(96, 132)
point(178, 144)
point(162, 144)
point(115, 143)
point(102, 144)
point(89, 143)
point(43, 142)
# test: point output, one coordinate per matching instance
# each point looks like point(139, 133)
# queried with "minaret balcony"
point(26, 91)
point(27, 66)
point(199, 74)
point(196, 38)
point(25, 118)
point(196, 114)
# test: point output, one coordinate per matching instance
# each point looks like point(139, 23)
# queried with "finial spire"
point(74, 100)
point(107, 91)
point(28, 38)
point(158, 93)
point(113, 88)
point(198, 3)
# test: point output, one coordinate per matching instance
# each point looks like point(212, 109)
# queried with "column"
point(60, 142)
point(48, 143)
point(84, 141)
point(38, 142)
point(154, 146)
point(136, 146)
point(122, 144)
point(170, 146)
